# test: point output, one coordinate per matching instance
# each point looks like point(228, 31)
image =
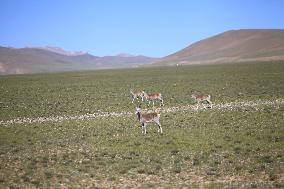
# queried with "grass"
point(201, 147)
point(88, 92)
point(211, 149)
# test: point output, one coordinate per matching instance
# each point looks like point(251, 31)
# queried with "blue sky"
point(150, 27)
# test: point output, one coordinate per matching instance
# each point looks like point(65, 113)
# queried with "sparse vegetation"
point(238, 148)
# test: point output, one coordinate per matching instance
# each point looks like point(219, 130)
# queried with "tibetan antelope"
point(153, 96)
point(202, 98)
point(137, 94)
point(148, 117)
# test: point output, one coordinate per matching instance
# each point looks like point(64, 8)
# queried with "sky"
point(153, 28)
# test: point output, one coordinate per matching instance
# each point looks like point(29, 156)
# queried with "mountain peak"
point(124, 55)
point(61, 51)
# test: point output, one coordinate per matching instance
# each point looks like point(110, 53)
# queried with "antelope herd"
point(145, 117)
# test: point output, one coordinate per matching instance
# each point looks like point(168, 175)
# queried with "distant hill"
point(53, 59)
point(232, 46)
point(60, 51)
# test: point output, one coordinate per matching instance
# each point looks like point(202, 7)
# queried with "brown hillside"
point(232, 46)
point(40, 60)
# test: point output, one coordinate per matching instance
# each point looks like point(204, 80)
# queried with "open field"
point(238, 147)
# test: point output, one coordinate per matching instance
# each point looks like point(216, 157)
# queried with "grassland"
point(240, 148)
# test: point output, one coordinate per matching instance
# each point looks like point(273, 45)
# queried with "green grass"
point(88, 92)
point(204, 146)
point(210, 148)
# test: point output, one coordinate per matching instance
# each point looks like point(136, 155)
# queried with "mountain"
point(131, 60)
point(243, 45)
point(125, 55)
point(53, 59)
point(60, 51)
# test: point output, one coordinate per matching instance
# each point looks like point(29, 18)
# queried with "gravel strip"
point(243, 105)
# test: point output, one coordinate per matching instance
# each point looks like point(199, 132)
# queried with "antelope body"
point(148, 117)
point(137, 94)
point(154, 96)
point(202, 98)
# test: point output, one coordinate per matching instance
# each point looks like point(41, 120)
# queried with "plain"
point(235, 148)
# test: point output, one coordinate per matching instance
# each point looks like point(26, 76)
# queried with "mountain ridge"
point(243, 45)
point(40, 60)
point(59, 50)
